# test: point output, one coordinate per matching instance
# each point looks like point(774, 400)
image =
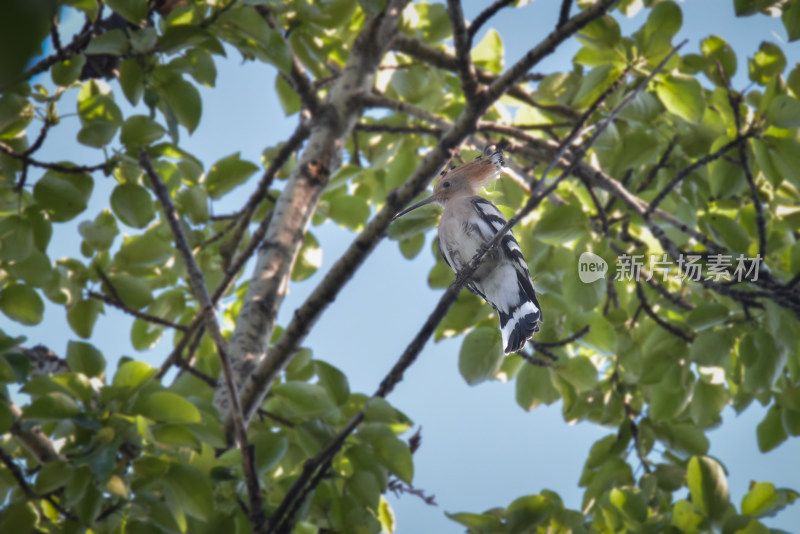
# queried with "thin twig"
point(16, 472)
point(662, 161)
point(659, 321)
point(484, 17)
point(705, 160)
point(76, 169)
point(111, 301)
point(566, 341)
point(563, 14)
point(761, 223)
point(463, 43)
point(197, 281)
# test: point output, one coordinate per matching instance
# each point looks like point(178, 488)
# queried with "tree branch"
point(197, 282)
point(484, 17)
point(705, 160)
point(563, 14)
point(688, 338)
point(546, 47)
point(463, 43)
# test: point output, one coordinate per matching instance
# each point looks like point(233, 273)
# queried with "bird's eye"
point(446, 185)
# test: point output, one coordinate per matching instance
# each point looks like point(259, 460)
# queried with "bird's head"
point(465, 180)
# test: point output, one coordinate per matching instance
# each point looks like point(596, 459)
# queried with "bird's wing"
point(450, 263)
point(491, 222)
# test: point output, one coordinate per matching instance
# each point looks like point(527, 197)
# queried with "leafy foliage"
point(690, 167)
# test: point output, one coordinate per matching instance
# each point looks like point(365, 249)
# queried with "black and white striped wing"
point(515, 300)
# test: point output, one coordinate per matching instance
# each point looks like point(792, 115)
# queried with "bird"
point(468, 222)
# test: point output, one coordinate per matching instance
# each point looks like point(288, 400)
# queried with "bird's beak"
point(419, 204)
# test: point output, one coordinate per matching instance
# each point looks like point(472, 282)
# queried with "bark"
point(330, 127)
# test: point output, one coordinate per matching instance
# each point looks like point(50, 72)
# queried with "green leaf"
point(720, 57)
point(378, 409)
point(745, 8)
point(100, 116)
point(708, 401)
point(193, 202)
point(601, 336)
point(526, 513)
point(732, 234)
point(364, 487)
point(601, 34)
point(51, 407)
point(228, 173)
point(131, 79)
point(708, 486)
point(309, 259)
point(134, 11)
point(481, 355)
point(768, 63)
point(191, 488)
point(66, 72)
point(82, 315)
point(711, 347)
point(250, 25)
point(184, 100)
point(167, 407)
point(784, 112)
point(140, 130)
point(791, 20)
point(133, 291)
point(394, 454)
point(53, 476)
point(20, 516)
point(112, 43)
point(100, 233)
point(16, 112)
point(707, 315)
point(21, 303)
point(595, 84)
point(770, 432)
point(133, 205)
point(686, 518)
point(630, 502)
point(412, 246)
point(534, 387)
point(349, 211)
point(334, 381)
point(477, 522)
point(488, 54)
point(132, 375)
point(683, 96)
point(63, 195)
point(665, 17)
point(386, 517)
point(761, 498)
point(6, 417)
point(561, 224)
point(16, 239)
point(144, 249)
point(580, 372)
point(84, 358)
point(306, 400)
point(270, 448)
point(288, 98)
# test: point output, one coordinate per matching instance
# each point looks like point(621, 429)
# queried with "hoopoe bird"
point(470, 221)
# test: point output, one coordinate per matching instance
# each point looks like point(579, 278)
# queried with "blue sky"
point(479, 449)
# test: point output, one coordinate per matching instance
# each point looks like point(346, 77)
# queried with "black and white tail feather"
point(503, 280)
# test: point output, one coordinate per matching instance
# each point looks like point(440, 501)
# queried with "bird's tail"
point(519, 324)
